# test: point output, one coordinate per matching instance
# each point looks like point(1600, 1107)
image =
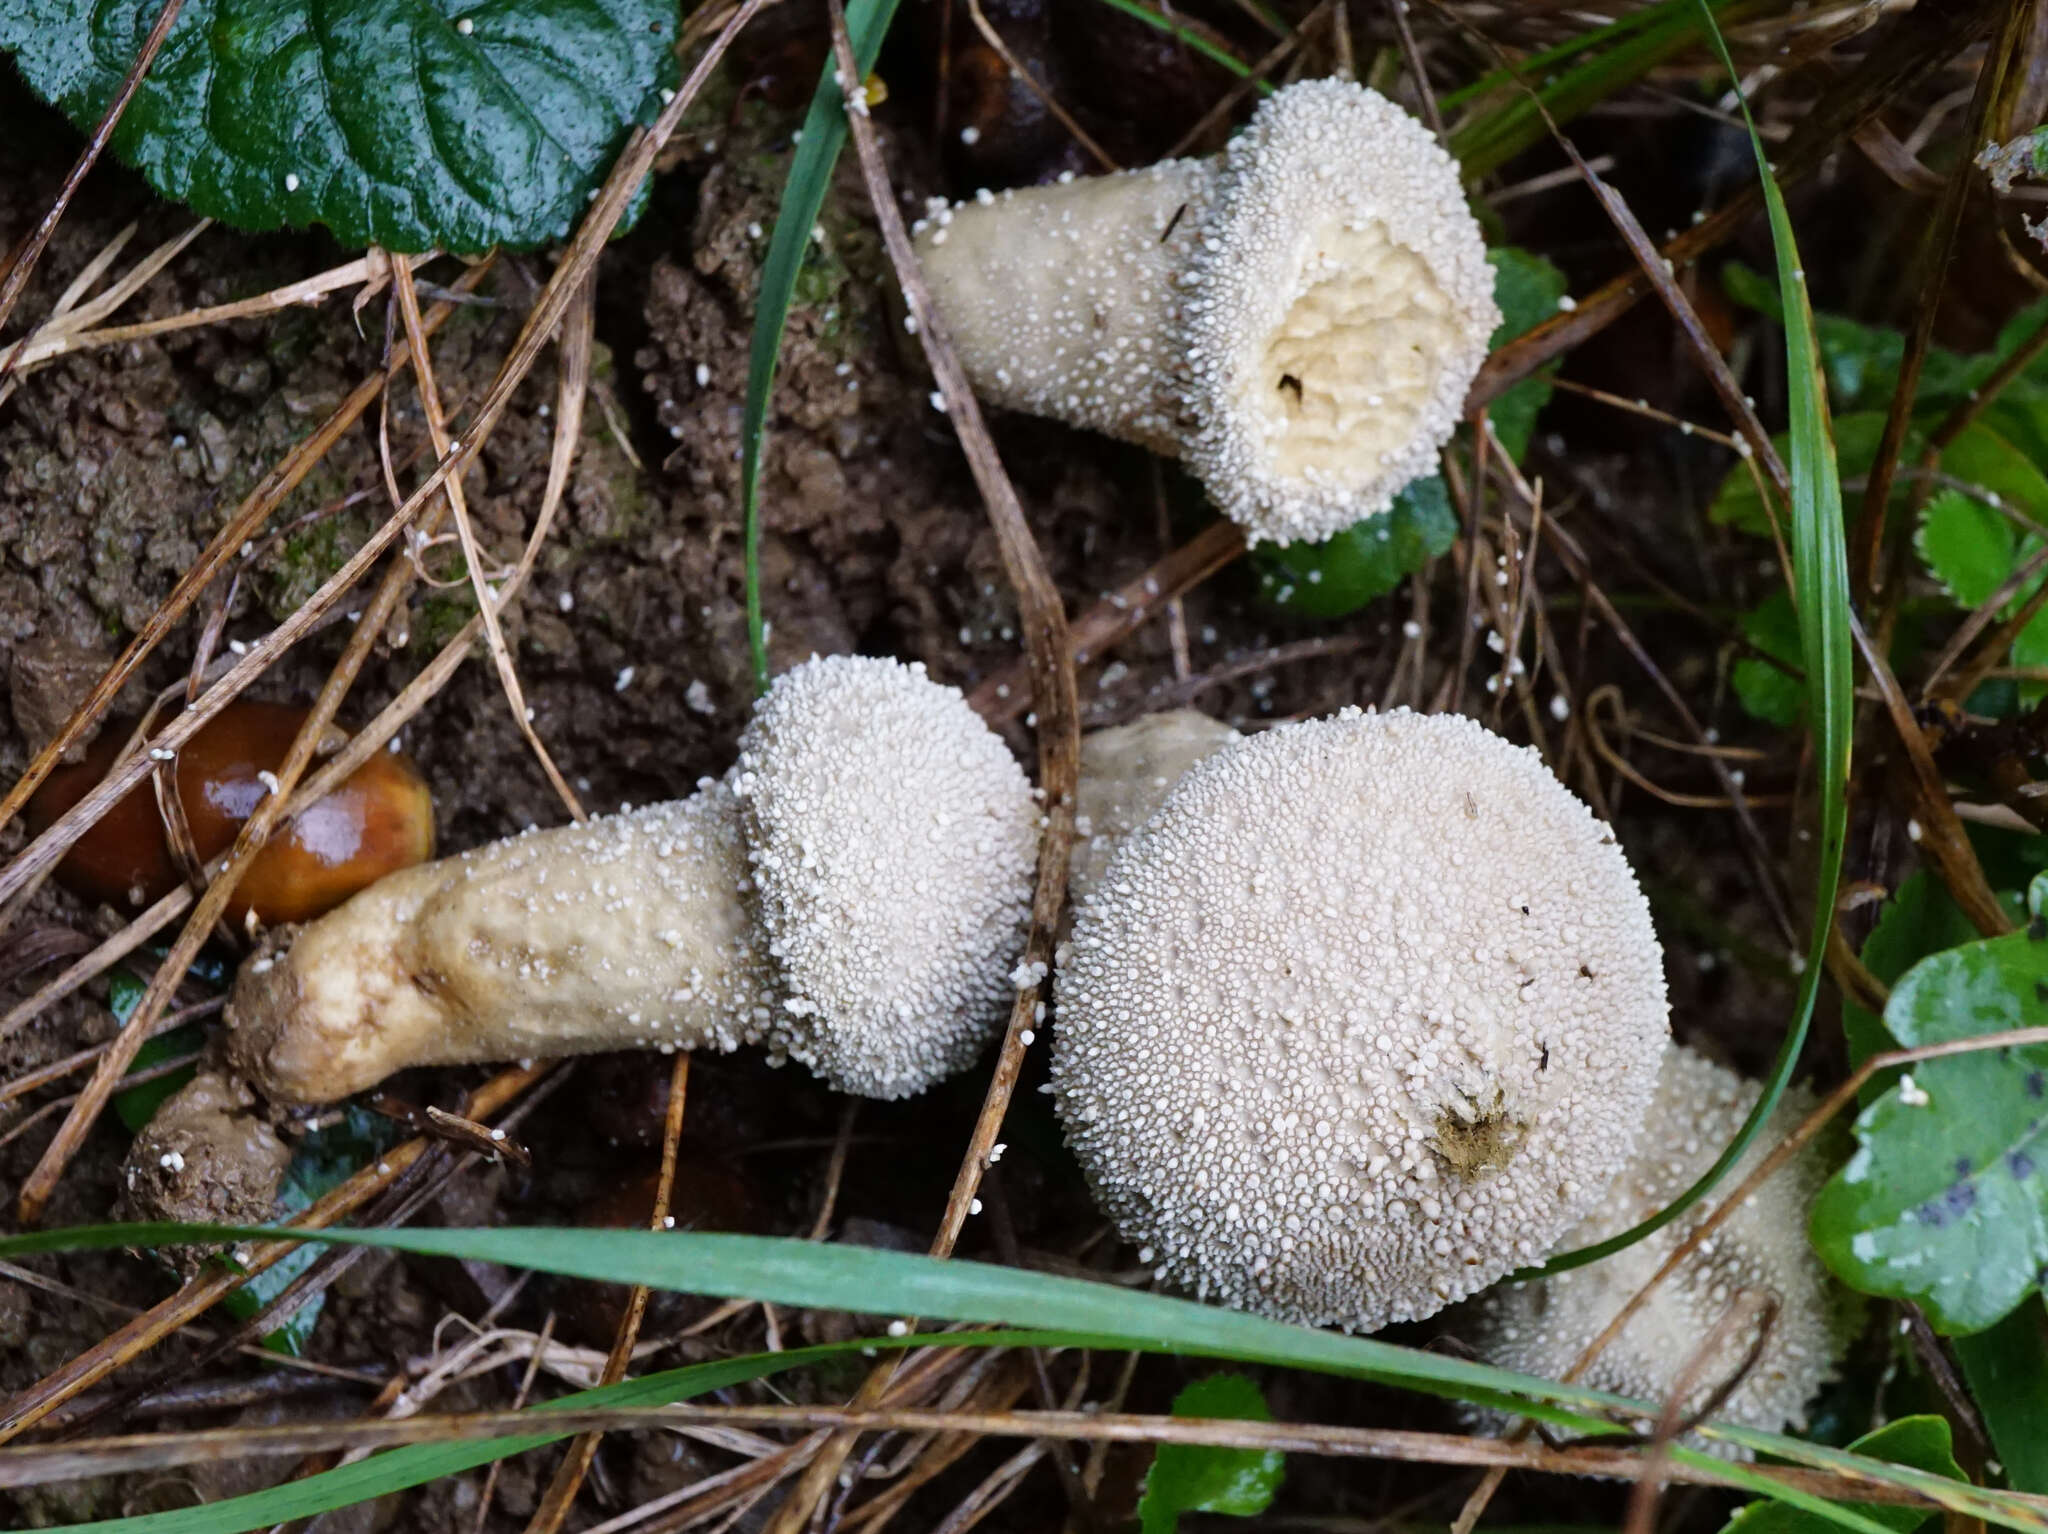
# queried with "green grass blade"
point(803, 195)
point(1084, 1313)
point(1174, 29)
point(1820, 571)
point(1594, 37)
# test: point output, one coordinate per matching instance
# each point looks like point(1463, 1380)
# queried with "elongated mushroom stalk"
point(1298, 317)
point(851, 895)
point(1364, 1015)
point(1542, 1326)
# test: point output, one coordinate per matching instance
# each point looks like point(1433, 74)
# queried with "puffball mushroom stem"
point(851, 895)
point(1298, 317)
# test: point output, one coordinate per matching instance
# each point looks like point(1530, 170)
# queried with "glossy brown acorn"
point(380, 820)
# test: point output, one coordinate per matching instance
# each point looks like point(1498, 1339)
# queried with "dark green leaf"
point(1527, 288)
point(136, 1106)
point(1366, 560)
point(2006, 1368)
point(803, 195)
point(1920, 919)
point(1207, 1478)
point(1945, 1202)
point(1922, 1442)
point(410, 124)
point(1768, 692)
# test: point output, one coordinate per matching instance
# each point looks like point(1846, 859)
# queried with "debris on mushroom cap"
point(623, 933)
point(1340, 304)
point(1126, 773)
point(1542, 1326)
point(1299, 317)
point(892, 837)
point(1364, 1016)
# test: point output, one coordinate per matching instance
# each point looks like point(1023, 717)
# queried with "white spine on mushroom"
point(1365, 1016)
point(1541, 1327)
point(1299, 317)
point(892, 837)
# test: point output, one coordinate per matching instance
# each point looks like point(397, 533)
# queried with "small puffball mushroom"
point(852, 895)
point(1126, 773)
point(206, 1156)
point(1542, 1326)
point(1366, 1014)
point(1298, 317)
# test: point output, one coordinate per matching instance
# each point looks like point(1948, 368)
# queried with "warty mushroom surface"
point(1540, 1327)
point(1298, 317)
point(1364, 1016)
point(852, 895)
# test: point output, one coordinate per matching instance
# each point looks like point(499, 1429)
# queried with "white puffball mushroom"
point(1542, 1326)
point(1364, 1016)
point(892, 838)
point(853, 895)
point(1126, 773)
point(1298, 317)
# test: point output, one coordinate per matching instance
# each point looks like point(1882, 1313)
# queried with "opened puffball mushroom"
point(1365, 1015)
point(852, 895)
point(1541, 1327)
point(1298, 317)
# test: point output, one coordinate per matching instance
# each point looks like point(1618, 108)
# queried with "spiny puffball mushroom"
point(852, 895)
point(1364, 1016)
point(1542, 1326)
point(1127, 771)
point(1298, 317)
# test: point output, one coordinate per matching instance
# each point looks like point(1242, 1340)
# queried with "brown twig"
point(575, 1465)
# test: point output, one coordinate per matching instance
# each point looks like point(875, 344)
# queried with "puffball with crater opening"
point(1298, 317)
point(1366, 1014)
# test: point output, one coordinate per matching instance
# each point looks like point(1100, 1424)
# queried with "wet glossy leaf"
point(1366, 560)
point(1920, 919)
point(1945, 1202)
point(1924, 1442)
point(1765, 691)
point(1207, 1478)
point(404, 123)
point(2006, 1369)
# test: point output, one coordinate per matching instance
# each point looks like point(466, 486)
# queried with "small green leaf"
point(411, 124)
point(1945, 1202)
point(1527, 288)
point(1966, 545)
point(1922, 1442)
point(1206, 1478)
point(324, 1159)
point(1765, 691)
point(136, 1106)
point(1366, 560)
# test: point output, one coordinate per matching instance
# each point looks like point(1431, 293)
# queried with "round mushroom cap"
point(893, 839)
point(1366, 1015)
point(1339, 304)
point(1542, 1326)
point(1127, 771)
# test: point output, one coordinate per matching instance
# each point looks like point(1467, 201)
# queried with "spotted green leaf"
point(1945, 1201)
point(1208, 1478)
point(410, 124)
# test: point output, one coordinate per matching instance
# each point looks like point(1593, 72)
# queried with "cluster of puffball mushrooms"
point(1355, 1017)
